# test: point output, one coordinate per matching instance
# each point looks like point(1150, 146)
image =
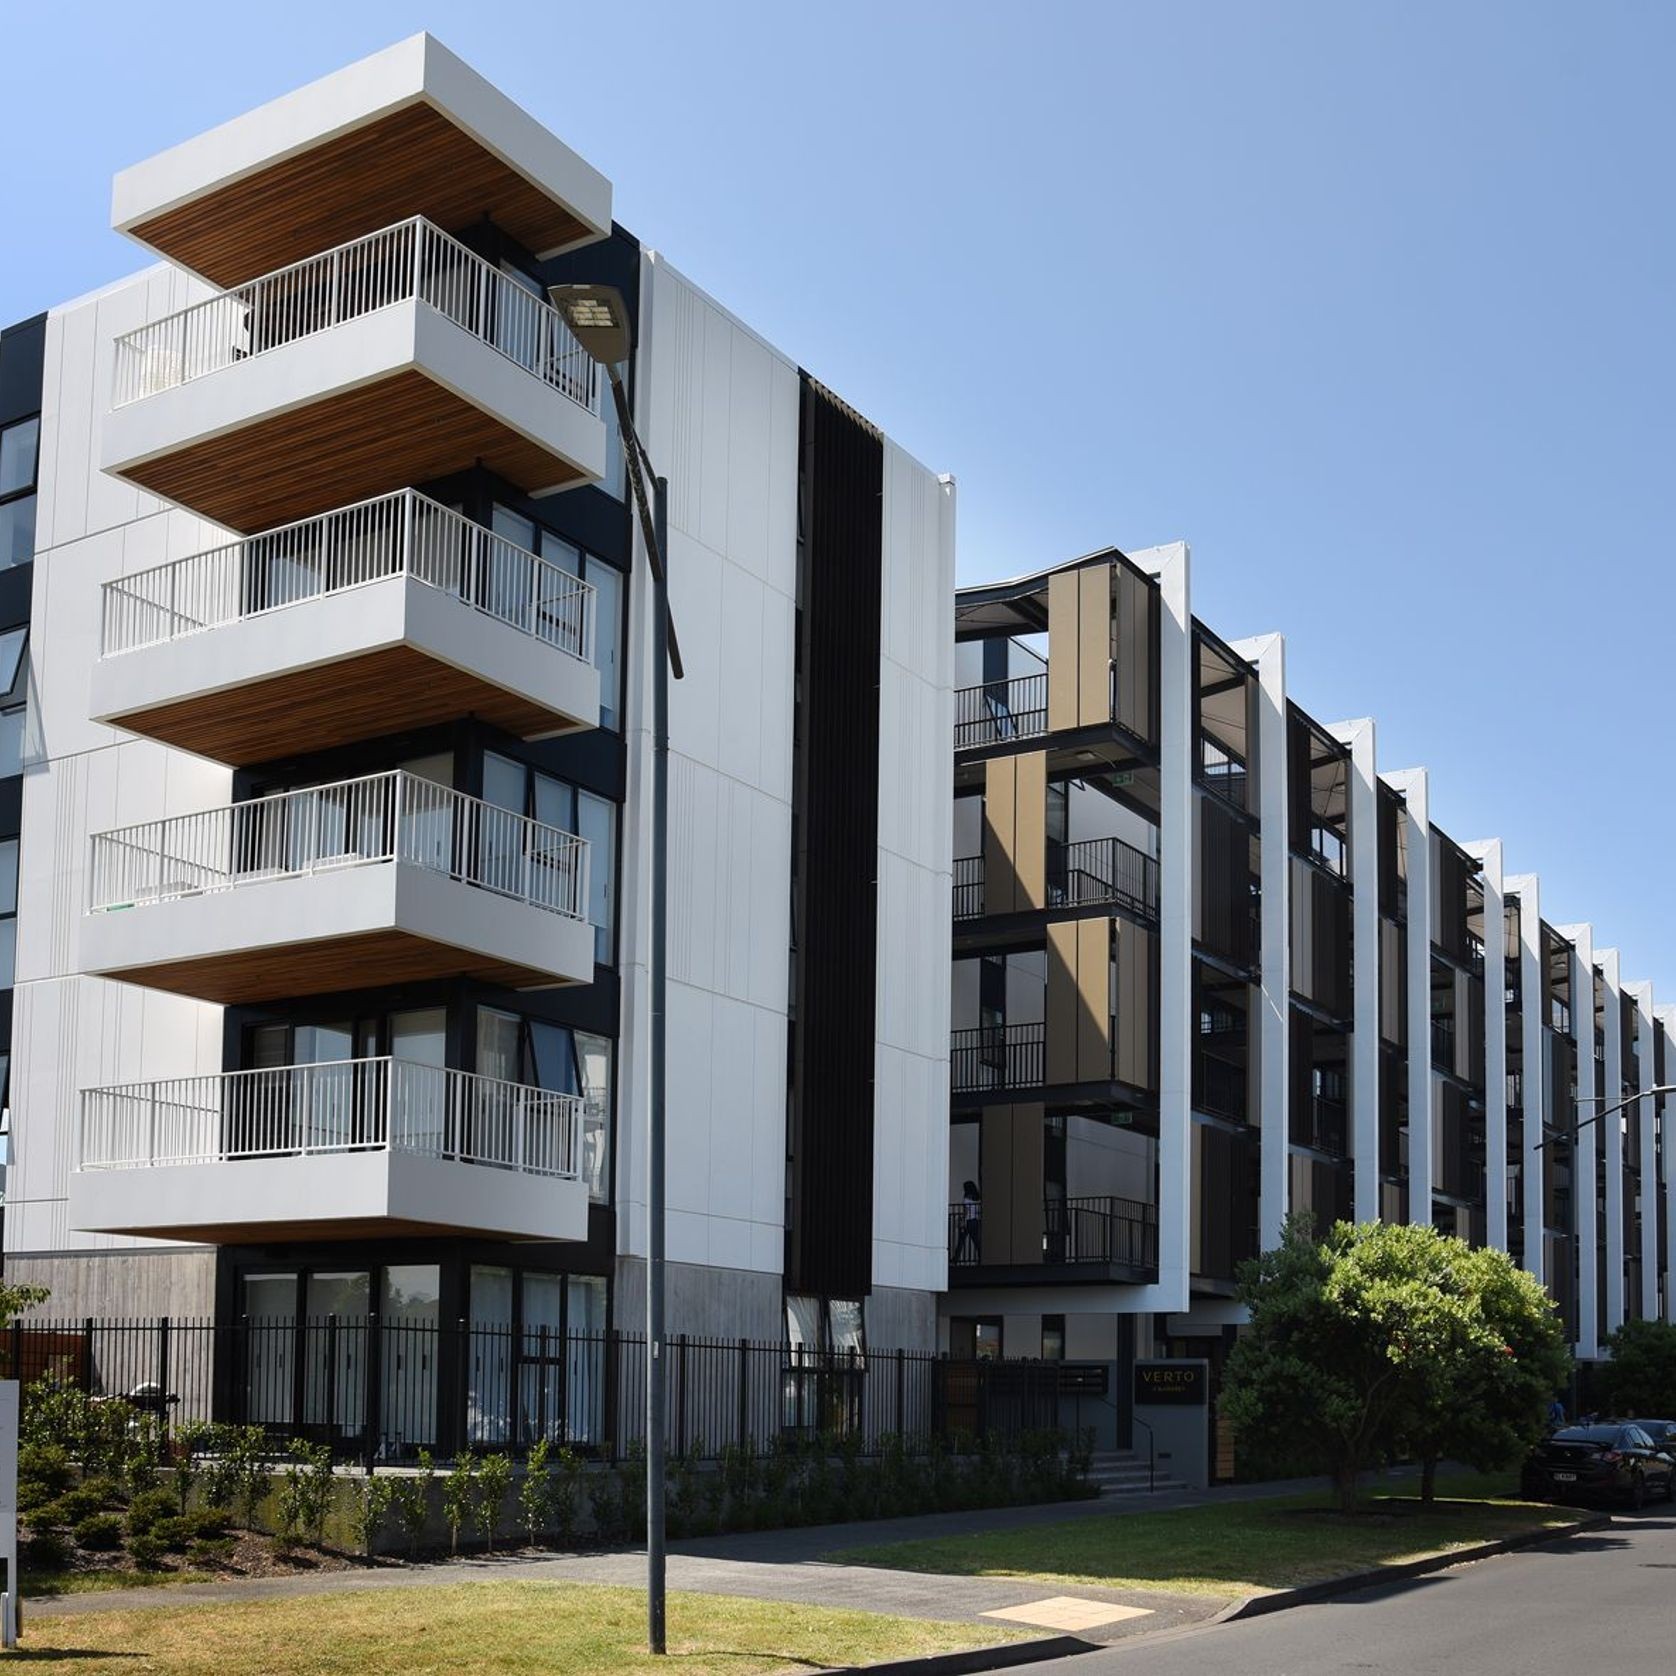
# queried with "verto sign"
point(1177, 1384)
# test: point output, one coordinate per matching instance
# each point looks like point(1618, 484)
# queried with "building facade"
point(332, 984)
point(1213, 969)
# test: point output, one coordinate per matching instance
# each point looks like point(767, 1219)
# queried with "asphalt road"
point(1602, 1602)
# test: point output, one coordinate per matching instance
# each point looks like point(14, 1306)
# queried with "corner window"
point(19, 449)
point(14, 691)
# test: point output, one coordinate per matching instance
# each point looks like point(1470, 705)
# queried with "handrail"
point(390, 817)
point(413, 260)
point(347, 1105)
point(997, 1056)
point(400, 534)
point(994, 712)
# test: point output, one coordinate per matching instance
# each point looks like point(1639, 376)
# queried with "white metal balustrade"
point(350, 1105)
point(390, 817)
point(401, 534)
point(412, 260)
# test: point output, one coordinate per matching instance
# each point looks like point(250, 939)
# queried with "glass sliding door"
point(489, 1355)
point(420, 1115)
point(409, 1305)
point(270, 1348)
point(334, 1377)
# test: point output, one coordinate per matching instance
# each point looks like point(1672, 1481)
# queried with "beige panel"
point(1391, 997)
point(1063, 650)
point(995, 1163)
point(1025, 1186)
point(1094, 999)
point(1134, 1003)
point(1134, 651)
point(1094, 645)
point(1000, 803)
point(1303, 1184)
point(1062, 1001)
point(1030, 830)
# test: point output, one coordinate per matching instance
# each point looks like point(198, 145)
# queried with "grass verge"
point(490, 1629)
point(103, 1580)
point(1232, 1548)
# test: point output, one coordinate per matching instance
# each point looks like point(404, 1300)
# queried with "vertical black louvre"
point(829, 1240)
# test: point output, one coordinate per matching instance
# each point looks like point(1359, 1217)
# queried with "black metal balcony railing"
point(1221, 771)
point(968, 886)
point(1475, 953)
point(1328, 1126)
point(1443, 1039)
point(997, 1056)
point(1103, 1229)
point(997, 712)
point(1099, 870)
point(1220, 1087)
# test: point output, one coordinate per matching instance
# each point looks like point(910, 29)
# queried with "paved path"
point(1597, 1602)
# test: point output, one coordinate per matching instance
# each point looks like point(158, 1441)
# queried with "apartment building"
point(1213, 968)
point(332, 976)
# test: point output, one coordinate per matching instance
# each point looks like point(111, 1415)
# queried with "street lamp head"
point(598, 319)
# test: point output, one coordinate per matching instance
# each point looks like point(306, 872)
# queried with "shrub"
point(378, 1496)
point(412, 1499)
point(145, 1511)
point(494, 1480)
point(145, 1551)
point(78, 1504)
point(47, 1551)
point(100, 1531)
point(210, 1550)
point(534, 1492)
point(46, 1465)
point(175, 1532)
point(564, 1493)
point(458, 1494)
point(305, 1496)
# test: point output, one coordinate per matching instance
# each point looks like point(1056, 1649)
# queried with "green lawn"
point(1232, 1548)
point(488, 1629)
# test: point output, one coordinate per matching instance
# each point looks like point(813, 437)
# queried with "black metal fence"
point(382, 1390)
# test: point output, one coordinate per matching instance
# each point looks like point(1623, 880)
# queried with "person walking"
point(970, 1246)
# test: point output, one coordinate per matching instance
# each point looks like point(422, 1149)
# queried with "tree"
point(14, 1300)
point(1641, 1377)
point(1379, 1336)
point(1484, 1398)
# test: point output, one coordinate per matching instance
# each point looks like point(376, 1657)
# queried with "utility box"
point(1172, 1415)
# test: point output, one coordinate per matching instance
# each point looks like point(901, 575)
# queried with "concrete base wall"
point(703, 1302)
point(119, 1285)
point(898, 1319)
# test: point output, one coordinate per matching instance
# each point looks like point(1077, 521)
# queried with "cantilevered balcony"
point(391, 614)
point(382, 880)
point(395, 359)
point(1090, 873)
point(1098, 1237)
point(999, 712)
point(355, 1149)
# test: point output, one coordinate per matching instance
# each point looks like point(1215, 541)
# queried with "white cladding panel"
point(722, 423)
point(916, 826)
point(72, 1032)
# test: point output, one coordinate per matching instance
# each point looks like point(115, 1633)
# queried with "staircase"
point(1123, 1472)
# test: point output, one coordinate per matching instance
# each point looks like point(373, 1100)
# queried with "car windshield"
point(1587, 1434)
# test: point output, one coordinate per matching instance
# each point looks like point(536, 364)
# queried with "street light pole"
point(1595, 1099)
point(598, 318)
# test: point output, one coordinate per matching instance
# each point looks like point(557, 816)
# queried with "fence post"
point(541, 1383)
point(372, 1406)
point(744, 1390)
point(17, 1351)
point(613, 1438)
point(163, 1368)
point(901, 1374)
point(331, 1374)
point(87, 1354)
point(680, 1397)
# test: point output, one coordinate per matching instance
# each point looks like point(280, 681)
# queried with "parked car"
point(1662, 1432)
point(1614, 1461)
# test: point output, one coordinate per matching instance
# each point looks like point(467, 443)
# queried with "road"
point(1601, 1602)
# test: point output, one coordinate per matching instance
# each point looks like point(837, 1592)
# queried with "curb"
point(1010, 1655)
point(1257, 1606)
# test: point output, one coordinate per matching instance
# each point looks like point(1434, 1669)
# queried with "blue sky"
point(1372, 303)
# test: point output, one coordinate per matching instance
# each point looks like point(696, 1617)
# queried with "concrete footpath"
point(790, 1565)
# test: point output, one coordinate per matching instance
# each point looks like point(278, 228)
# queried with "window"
point(606, 581)
point(14, 692)
point(19, 448)
point(560, 1060)
point(545, 797)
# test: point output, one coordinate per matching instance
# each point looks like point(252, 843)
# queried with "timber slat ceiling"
point(363, 442)
point(414, 161)
point(366, 960)
point(387, 691)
